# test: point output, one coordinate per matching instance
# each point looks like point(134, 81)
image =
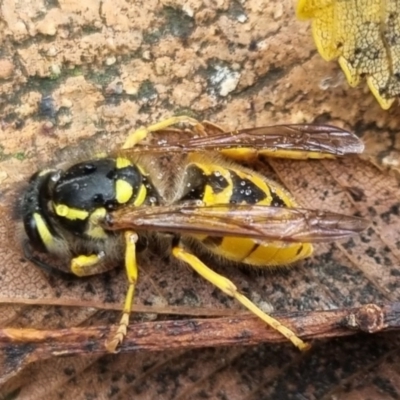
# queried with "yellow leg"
point(131, 273)
point(141, 133)
point(230, 289)
point(86, 265)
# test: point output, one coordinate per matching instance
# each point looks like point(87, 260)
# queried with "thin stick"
point(197, 333)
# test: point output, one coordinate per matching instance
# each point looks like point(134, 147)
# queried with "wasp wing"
point(274, 141)
point(250, 221)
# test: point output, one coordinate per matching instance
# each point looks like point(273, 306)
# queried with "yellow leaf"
point(364, 35)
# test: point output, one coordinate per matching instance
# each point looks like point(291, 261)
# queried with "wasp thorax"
point(104, 182)
point(59, 203)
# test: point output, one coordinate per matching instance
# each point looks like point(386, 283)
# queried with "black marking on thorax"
point(91, 184)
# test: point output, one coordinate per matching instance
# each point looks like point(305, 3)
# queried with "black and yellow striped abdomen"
point(225, 183)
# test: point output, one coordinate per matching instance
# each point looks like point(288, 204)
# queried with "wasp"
point(96, 214)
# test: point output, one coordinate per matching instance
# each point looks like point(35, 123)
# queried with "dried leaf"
point(364, 36)
point(111, 68)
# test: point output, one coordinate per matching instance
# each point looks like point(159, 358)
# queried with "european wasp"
point(101, 212)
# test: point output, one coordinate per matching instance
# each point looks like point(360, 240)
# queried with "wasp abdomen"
point(216, 184)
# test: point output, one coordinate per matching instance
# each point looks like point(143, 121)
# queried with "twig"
point(197, 333)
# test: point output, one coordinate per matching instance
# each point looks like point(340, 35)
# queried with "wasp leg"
point(230, 289)
point(141, 133)
point(87, 265)
point(132, 272)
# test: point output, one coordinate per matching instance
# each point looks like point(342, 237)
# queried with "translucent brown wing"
point(269, 140)
point(251, 221)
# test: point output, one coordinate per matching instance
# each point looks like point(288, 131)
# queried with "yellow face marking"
point(70, 213)
point(123, 191)
point(44, 233)
point(122, 162)
point(141, 196)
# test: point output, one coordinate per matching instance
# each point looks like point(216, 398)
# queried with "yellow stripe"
point(264, 255)
point(240, 153)
point(279, 254)
point(70, 213)
point(44, 233)
point(123, 191)
point(141, 196)
point(234, 248)
point(295, 154)
point(246, 154)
